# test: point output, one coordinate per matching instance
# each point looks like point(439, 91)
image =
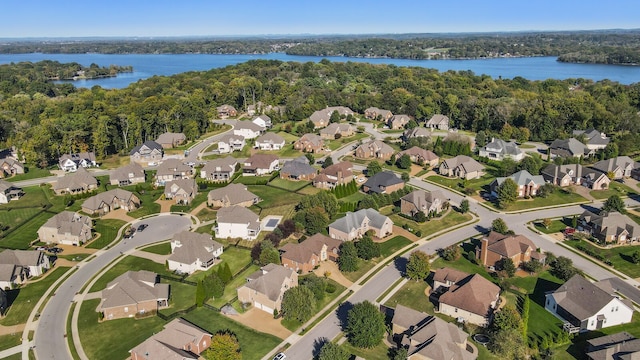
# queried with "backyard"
point(615, 188)
point(620, 256)
point(108, 229)
point(449, 221)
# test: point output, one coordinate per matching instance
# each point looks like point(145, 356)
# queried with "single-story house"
point(170, 140)
point(113, 199)
point(431, 202)
point(270, 141)
point(305, 256)
point(191, 252)
point(127, 175)
point(265, 288)
point(461, 166)
point(232, 195)
point(355, 224)
point(420, 155)
point(495, 247)
point(298, 169)
point(183, 191)
point(178, 339)
point(79, 182)
point(66, 228)
point(333, 130)
point(472, 299)
point(499, 149)
point(528, 185)
point(71, 162)
point(586, 306)
point(620, 166)
point(237, 222)
point(438, 121)
point(384, 182)
point(9, 192)
point(568, 148)
point(221, 169)
point(133, 293)
point(149, 152)
point(260, 164)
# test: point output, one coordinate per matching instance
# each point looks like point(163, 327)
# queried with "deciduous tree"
point(224, 346)
point(507, 193)
point(348, 258)
point(332, 351)
point(298, 303)
point(418, 265)
point(365, 325)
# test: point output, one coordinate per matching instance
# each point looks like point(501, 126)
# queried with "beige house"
point(375, 149)
point(461, 166)
point(66, 228)
point(311, 143)
point(334, 175)
point(333, 130)
point(230, 195)
point(472, 299)
point(355, 224)
point(173, 169)
point(127, 175)
point(17, 266)
point(527, 184)
point(78, 182)
point(421, 201)
point(107, 201)
point(417, 132)
point(305, 256)
point(321, 118)
point(427, 337)
point(260, 164)
point(10, 166)
point(420, 155)
point(609, 228)
point(178, 340)
point(265, 288)
point(219, 169)
point(495, 247)
point(444, 277)
point(373, 113)
point(398, 121)
point(133, 293)
point(439, 122)
point(225, 111)
point(620, 167)
point(191, 252)
point(170, 140)
point(149, 152)
point(181, 190)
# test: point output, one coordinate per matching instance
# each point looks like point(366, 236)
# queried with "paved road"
point(50, 335)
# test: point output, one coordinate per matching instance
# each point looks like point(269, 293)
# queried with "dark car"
point(141, 227)
point(56, 250)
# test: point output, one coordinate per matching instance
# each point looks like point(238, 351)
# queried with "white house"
point(586, 306)
point(237, 222)
point(263, 121)
point(71, 162)
point(9, 192)
point(260, 164)
point(191, 252)
point(247, 129)
point(499, 149)
point(230, 143)
point(270, 141)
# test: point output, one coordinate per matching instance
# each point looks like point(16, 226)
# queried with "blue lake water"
point(147, 65)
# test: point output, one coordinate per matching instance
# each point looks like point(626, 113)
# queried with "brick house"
point(375, 149)
point(178, 340)
point(334, 175)
point(133, 293)
point(308, 254)
point(355, 224)
point(310, 143)
point(264, 288)
point(528, 185)
point(495, 246)
point(384, 182)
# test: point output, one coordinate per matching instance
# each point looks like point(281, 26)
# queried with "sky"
point(160, 18)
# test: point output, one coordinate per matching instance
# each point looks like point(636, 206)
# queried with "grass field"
point(615, 188)
point(230, 291)
point(558, 197)
point(336, 144)
point(386, 249)
point(620, 256)
point(206, 214)
point(450, 220)
point(378, 352)
point(160, 249)
point(273, 197)
point(32, 173)
point(10, 340)
point(132, 263)
point(108, 229)
point(24, 299)
point(149, 206)
point(556, 226)
point(252, 180)
point(412, 295)
point(181, 297)
point(288, 185)
point(460, 185)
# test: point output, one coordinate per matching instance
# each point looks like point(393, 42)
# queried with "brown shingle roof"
point(446, 274)
point(270, 283)
point(474, 294)
point(303, 251)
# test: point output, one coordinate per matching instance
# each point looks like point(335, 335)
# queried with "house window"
point(126, 309)
point(456, 310)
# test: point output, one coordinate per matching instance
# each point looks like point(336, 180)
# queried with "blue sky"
point(51, 18)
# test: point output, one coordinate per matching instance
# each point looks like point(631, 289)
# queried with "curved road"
point(50, 336)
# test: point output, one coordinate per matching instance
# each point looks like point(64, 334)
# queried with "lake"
point(147, 65)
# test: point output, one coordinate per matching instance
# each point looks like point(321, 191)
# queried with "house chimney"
point(484, 244)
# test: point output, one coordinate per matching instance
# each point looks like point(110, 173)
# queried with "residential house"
point(191, 252)
point(232, 195)
point(67, 228)
point(321, 118)
point(310, 143)
point(620, 167)
point(611, 227)
point(79, 182)
point(10, 166)
point(247, 129)
point(398, 121)
point(230, 143)
point(298, 169)
point(495, 247)
point(528, 185)
point(439, 122)
point(127, 175)
point(261, 108)
point(417, 132)
point(420, 156)
point(265, 288)
point(375, 149)
point(71, 162)
point(355, 224)
point(431, 202)
point(429, 337)
point(337, 130)
point(499, 149)
point(575, 174)
point(178, 339)
point(305, 256)
point(225, 111)
point(461, 166)
point(374, 113)
point(173, 169)
point(237, 222)
point(133, 293)
point(270, 141)
point(472, 299)
point(595, 140)
point(384, 182)
point(618, 346)
point(334, 175)
point(147, 153)
point(221, 169)
point(170, 140)
point(263, 121)
point(260, 164)
point(16, 266)
point(586, 306)
point(9, 192)
point(568, 148)
point(445, 277)
point(183, 191)
point(108, 201)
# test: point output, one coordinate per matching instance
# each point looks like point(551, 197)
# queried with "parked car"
point(141, 227)
point(56, 250)
point(280, 356)
point(41, 248)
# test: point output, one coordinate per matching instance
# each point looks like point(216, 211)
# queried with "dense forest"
point(605, 47)
point(44, 125)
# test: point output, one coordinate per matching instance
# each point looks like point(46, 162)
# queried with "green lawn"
point(132, 263)
point(112, 339)
point(392, 245)
point(386, 249)
point(230, 291)
point(273, 197)
point(236, 257)
point(336, 144)
point(181, 296)
point(379, 352)
point(10, 340)
point(160, 249)
point(24, 299)
point(620, 256)
point(149, 206)
point(558, 197)
point(199, 199)
point(412, 295)
point(556, 226)
point(252, 180)
point(450, 220)
point(288, 184)
point(32, 173)
point(206, 214)
point(460, 184)
point(108, 229)
point(615, 188)
point(253, 344)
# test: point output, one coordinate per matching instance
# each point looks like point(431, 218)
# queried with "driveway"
point(262, 321)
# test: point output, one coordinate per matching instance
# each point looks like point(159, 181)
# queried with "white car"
point(280, 356)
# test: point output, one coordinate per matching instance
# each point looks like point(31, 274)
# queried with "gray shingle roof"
point(270, 138)
point(233, 194)
point(227, 164)
point(69, 222)
point(581, 298)
point(95, 202)
point(612, 164)
point(269, 280)
point(298, 166)
point(503, 147)
point(438, 119)
point(79, 179)
point(466, 162)
point(194, 246)
point(21, 257)
point(354, 220)
point(168, 343)
point(133, 287)
point(122, 173)
point(147, 145)
point(171, 138)
point(417, 132)
point(569, 147)
point(238, 215)
point(522, 177)
point(381, 180)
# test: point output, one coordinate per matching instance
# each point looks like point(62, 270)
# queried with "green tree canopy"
point(498, 225)
point(367, 249)
point(373, 168)
point(268, 253)
point(224, 346)
point(464, 206)
point(365, 325)
point(332, 351)
point(348, 258)
point(298, 303)
point(418, 265)
point(613, 203)
point(507, 193)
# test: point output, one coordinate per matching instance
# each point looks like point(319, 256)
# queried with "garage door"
point(264, 307)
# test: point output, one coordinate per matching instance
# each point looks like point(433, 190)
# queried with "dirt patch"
point(336, 275)
point(160, 259)
point(415, 169)
point(398, 231)
point(165, 205)
point(12, 330)
point(120, 214)
point(263, 322)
